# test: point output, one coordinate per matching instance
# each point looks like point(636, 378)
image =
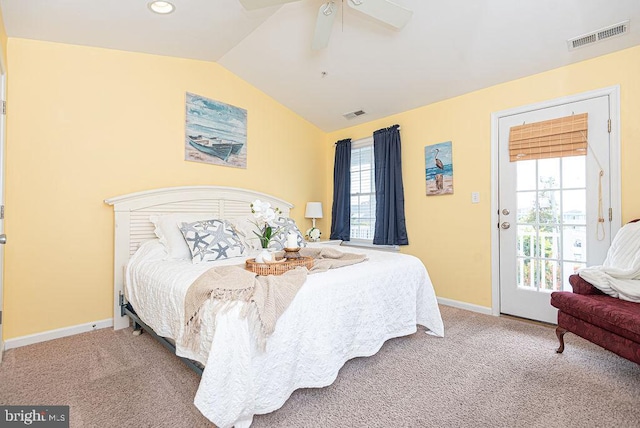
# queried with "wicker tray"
point(278, 268)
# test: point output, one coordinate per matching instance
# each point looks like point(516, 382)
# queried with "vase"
point(264, 256)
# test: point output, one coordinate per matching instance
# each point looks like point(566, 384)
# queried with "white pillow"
point(244, 227)
point(167, 229)
point(210, 240)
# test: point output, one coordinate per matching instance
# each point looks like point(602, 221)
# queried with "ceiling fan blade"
point(326, 15)
point(258, 4)
point(383, 10)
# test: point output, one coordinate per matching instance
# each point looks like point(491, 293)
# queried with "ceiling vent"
point(599, 35)
point(354, 114)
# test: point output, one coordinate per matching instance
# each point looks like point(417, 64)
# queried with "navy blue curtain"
point(341, 209)
point(390, 227)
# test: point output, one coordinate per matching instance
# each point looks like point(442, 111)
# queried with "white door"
point(3, 238)
point(548, 212)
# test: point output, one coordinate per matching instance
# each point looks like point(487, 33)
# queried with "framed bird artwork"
point(438, 165)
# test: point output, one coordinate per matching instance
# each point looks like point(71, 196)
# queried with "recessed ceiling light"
point(162, 7)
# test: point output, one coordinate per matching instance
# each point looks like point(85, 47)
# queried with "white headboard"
point(132, 224)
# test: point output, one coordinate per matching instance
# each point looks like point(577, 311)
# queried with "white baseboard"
point(56, 334)
point(464, 305)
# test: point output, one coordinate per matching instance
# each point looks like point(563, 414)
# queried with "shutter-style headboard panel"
point(141, 228)
point(132, 224)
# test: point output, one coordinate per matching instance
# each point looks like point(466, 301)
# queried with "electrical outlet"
point(475, 197)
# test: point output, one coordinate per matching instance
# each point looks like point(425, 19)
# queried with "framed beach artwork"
point(215, 132)
point(439, 168)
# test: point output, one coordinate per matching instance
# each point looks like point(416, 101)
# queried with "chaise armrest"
point(580, 286)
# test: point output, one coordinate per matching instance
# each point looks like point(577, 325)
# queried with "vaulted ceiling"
point(448, 47)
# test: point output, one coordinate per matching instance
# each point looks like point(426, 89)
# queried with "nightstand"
point(325, 242)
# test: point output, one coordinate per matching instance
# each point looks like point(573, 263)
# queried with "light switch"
point(475, 197)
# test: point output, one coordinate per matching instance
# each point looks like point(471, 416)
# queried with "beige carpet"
point(487, 372)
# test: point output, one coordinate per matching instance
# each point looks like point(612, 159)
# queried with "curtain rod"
point(381, 128)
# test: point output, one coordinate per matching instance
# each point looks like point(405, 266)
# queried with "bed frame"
point(132, 225)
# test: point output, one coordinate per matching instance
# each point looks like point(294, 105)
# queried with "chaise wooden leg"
point(560, 333)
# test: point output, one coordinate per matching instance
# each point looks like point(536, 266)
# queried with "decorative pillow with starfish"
point(210, 240)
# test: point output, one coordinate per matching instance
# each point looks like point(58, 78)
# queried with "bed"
point(336, 316)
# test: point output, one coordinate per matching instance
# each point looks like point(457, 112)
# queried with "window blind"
point(565, 136)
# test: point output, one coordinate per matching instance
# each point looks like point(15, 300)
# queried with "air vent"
point(354, 114)
point(599, 35)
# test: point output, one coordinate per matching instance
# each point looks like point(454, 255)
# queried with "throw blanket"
point(325, 258)
point(619, 276)
point(267, 297)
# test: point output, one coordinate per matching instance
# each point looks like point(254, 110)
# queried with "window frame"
point(356, 145)
point(360, 242)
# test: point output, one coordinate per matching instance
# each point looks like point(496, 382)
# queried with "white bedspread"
point(337, 315)
point(619, 275)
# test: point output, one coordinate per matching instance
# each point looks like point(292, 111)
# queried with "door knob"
point(506, 211)
point(3, 239)
point(505, 225)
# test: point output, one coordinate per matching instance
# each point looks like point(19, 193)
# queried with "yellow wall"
point(87, 124)
point(449, 234)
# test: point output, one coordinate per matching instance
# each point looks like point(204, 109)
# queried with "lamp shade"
point(314, 210)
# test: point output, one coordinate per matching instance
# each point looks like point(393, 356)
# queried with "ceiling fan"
point(381, 10)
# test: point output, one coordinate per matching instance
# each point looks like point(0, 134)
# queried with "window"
point(363, 191)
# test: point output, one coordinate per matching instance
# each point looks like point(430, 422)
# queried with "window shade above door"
point(565, 136)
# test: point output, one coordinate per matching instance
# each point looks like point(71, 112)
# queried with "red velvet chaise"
point(609, 322)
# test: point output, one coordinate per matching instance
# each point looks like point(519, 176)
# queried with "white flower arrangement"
point(313, 234)
point(264, 215)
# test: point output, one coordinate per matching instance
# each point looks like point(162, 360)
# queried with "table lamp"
point(313, 211)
